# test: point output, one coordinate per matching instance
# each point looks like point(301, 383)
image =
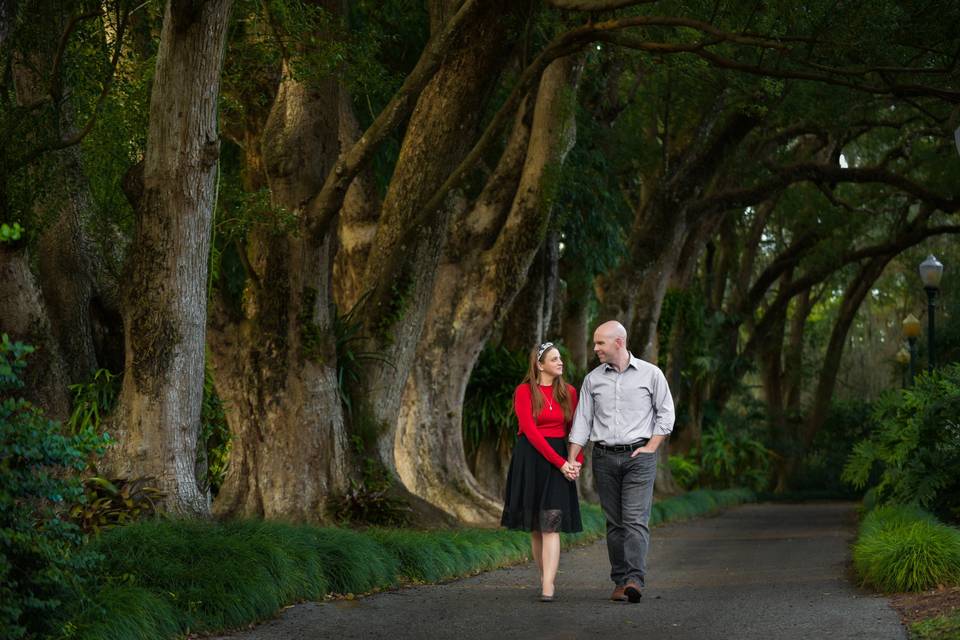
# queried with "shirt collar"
point(632, 362)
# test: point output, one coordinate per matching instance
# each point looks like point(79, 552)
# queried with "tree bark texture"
point(164, 300)
point(25, 320)
point(482, 270)
point(528, 322)
point(357, 222)
point(440, 132)
point(277, 364)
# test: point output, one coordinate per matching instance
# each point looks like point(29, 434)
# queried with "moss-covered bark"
point(164, 298)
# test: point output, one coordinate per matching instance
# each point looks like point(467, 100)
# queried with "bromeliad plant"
point(107, 504)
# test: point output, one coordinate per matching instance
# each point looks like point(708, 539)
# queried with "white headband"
point(543, 347)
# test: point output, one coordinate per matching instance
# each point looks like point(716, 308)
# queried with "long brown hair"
point(560, 392)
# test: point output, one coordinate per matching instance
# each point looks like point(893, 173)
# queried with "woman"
point(539, 497)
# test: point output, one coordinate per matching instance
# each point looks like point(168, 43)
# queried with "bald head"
point(610, 344)
point(613, 330)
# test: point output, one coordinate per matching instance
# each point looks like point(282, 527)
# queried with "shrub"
point(890, 517)
point(488, 402)
point(686, 472)
point(910, 556)
point(369, 503)
point(733, 458)
point(915, 446)
point(40, 557)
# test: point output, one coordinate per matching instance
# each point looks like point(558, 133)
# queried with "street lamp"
point(903, 359)
point(911, 330)
point(931, 270)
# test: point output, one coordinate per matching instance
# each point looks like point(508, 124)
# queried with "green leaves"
point(39, 559)
point(914, 446)
point(733, 458)
point(488, 403)
point(111, 503)
point(92, 400)
point(10, 233)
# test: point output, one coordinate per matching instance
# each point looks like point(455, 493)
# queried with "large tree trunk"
point(78, 278)
point(438, 136)
point(576, 316)
point(277, 364)
point(24, 319)
point(164, 304)
point(473, 288)
point(528, 322)
point(357, 222)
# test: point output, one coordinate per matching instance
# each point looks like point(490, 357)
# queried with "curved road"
point(763, 571)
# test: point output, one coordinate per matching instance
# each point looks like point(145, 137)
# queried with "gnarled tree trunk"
point(476, 282)
point(439, 135)
point(24, 319)
point(277, 363)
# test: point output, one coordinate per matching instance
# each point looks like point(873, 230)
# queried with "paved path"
point(768, 571)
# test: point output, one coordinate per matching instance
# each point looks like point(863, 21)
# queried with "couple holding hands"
point(625, 408)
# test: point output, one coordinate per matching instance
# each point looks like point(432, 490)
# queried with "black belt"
point(620, 448)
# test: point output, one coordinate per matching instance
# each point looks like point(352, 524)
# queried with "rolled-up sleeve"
point(583, 417)
point(662, 405)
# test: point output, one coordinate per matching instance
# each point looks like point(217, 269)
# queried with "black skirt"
point(538, 497)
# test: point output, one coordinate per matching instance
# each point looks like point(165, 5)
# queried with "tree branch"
point(98, 107)
point(324, 205)
point(785, 176)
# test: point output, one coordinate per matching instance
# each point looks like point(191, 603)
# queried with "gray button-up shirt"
point(623, 407)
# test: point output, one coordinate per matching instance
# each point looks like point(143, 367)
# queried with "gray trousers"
point(625, 486)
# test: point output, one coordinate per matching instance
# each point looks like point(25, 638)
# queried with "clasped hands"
point(571, 470)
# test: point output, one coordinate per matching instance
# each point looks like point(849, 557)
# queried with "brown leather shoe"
point(618, 595)
point(632, 591)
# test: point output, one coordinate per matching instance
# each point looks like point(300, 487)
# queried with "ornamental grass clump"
point(893, 516)
point(909, 556)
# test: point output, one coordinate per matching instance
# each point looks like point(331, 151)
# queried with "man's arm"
point(582, 422)
point(650, 447)
point(663, 406)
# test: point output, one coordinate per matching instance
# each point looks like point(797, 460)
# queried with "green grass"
point(941, 628)
point(160, 579)
point(903, 548)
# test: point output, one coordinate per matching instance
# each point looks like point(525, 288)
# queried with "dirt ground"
point(914, 607)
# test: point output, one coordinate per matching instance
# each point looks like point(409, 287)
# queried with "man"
point(626, 410)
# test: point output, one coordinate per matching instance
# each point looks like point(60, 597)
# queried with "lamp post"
point(911, 329)
point(931, 270)
point(903, 359)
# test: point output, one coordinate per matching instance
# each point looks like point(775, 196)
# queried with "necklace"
point(548, 399)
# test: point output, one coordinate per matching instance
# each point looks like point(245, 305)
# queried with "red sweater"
point(549, 424)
